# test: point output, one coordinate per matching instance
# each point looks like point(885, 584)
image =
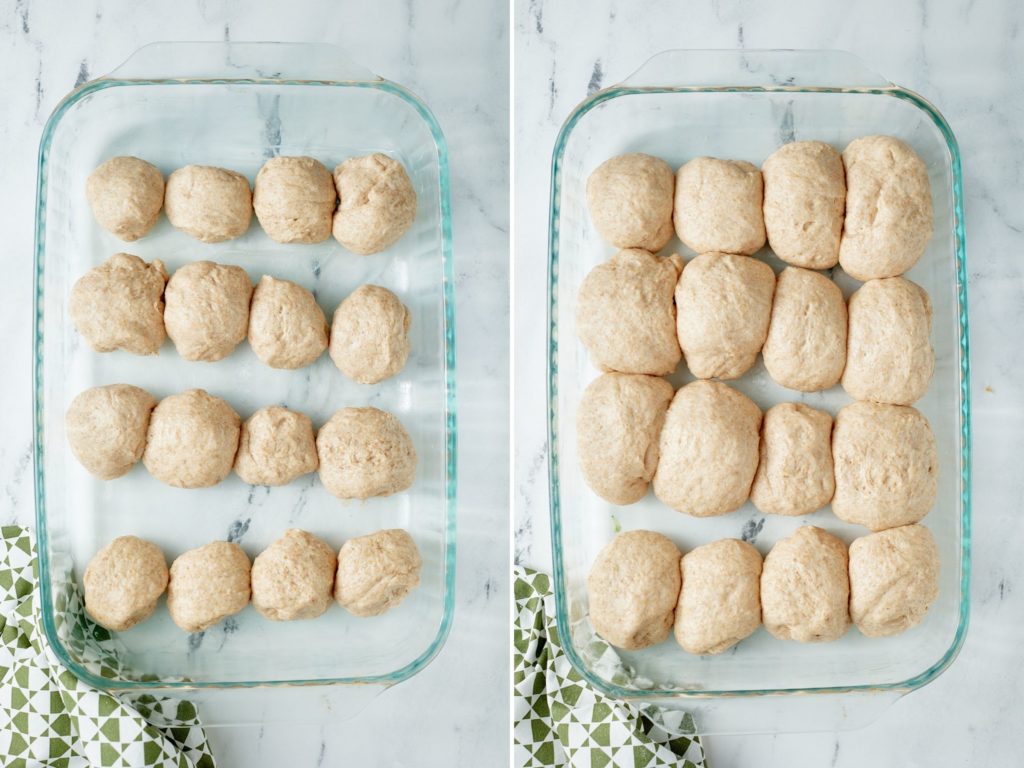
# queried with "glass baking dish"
point(235, 105)
point(745, 104)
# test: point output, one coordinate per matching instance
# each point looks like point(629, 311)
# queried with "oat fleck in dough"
point(377, 572)
point(370, 335)
point(293, 578)
point(210, 204)
point(377, 203)
point(126, 195)
point(287, 328)
point(123, 582)
point(630, 201)
point(207, 585)
point(106, 428)
point(207, 312)
point(276, 446)
point(294, 199)
point(718, 206)
point(365, 452)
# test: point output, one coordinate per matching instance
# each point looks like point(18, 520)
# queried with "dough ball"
point(293, 578)
point(894, 579)
point(192, 440)
point(120, 305)
point(718, 206)
point(720, 602)
point(886, 465)
point(724, 303)
point(126, 195)
point(633, 587)
point(377, 203)
point(806, 344)
point(376, 572)
point(210, 204)
point(106, 428)
point(795, 474)
point(709, 450)
point(630, 201)
point(625, 315)
point(207, 313)
point(287, 328)
point(370, 335)
point(889, 357)
point(275, 447)
point(804, 200)
point(805, 588)
point(888, 208)
point(365, 452)
point(123, 582)
point(208, 584)
point(294, 199)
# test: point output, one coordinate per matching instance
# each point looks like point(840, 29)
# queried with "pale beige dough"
point(377, 203)
point(293, 578)
point(287, 328)
point(718, 206)
point(207, 585)
point(630, 201)
point(210, 204)
point(123, 582)
point(294, 199)
point(207, 312)
point(275, 447)
point(106, 428)
point(370, 335)
point(365, 452)
point(377, 572)
point(126, 195)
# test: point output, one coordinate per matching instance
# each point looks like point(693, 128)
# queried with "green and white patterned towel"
point(559, 720)
point(48, 717)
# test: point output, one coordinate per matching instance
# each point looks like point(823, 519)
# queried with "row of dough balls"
point(707, 448)
point(296, 577)
point(868, 210)
point(194, 439)
point(368, 203)
point(207, 309)
point(807, 589)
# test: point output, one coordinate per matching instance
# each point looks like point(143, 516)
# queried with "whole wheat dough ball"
point(894, 579)
point(370, 335)
point(275, 447)
point(888, 208)
point(120, 305)
point(804, 200)
point(365, 452)
point(630, 201)
point(376, 572)
point(376, 203)
point(294, 199)
point(192, 440)
point(123, 582)
point(126, 195)
point(889, 357)
point(805, 588)
point(106, 428)
point(720, 602)
point(287, 328)
point(709, 450)
point(886, 465)
point(723, 305)
point(208, 584)
point(625, 315)
point(207, 313)
point(718, 206)
point(293, 578)
point(633, 587)
point(210, 204)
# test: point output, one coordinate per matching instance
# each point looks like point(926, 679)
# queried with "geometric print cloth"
point(559, 720)
point(48, 717)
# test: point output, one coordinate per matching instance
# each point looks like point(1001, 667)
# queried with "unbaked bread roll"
point(207, 585)
point(370, 335)
point(365, 452)
point(207, 312)
point(123, 582)
point(376, 203)
point(293, 578)
point(106, 428)
point(275, 447)
point(287, 328)
point(377, 572)
point(718, 206)
point(630, 201)
point(294, 199)
point(210, 204)
point(794, 474)
point(126, 195)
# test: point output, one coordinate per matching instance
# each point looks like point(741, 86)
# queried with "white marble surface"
point(455, 56)
point(967, 58)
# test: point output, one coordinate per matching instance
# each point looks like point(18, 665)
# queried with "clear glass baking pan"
point(235, 105)
point(745, 104)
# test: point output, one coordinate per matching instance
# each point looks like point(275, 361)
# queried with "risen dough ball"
point(377, 203)
point(724, 303)
point(805, 588)
point(708, 449)
point(192, 440)
point(886, 465)
point(207, 313)
point(287, 328)
point(276, 446)
point(370, 335)
point(126, 194)
point(208, 584)
point(294, 199)
point(625, 315)
point(210, 204)
point(365, 452)
point(630, 201)
point(106, 428)
point(293, 578)
point(794, 475)
point(123, 582)
point(618, 425)
point(376, 572)
point(888, 208)
point(718, 206)
point(633, 587)
point(894, 578)
point(120, 305)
